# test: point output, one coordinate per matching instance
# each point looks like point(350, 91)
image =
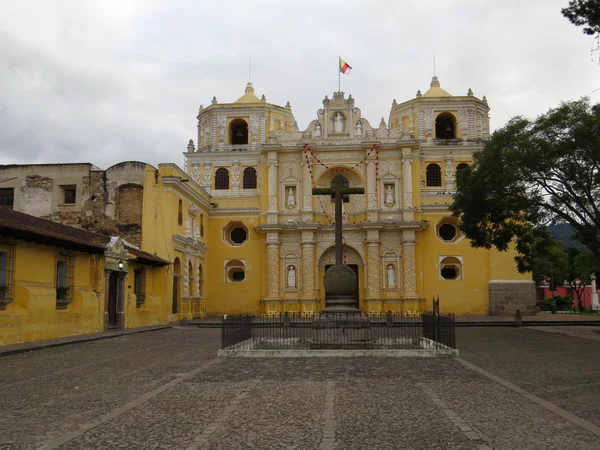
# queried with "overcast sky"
point(113, 80)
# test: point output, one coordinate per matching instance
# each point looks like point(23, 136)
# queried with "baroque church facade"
point(271, 240)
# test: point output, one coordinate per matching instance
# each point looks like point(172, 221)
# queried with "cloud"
point(117, 80)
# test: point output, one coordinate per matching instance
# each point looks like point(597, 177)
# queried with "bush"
point(563, 302)
point(545, 305)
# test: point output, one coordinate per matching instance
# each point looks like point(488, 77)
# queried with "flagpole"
point(339, 73)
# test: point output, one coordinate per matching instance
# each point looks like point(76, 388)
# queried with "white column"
point(272, 185)
point(308, 269)
point(595, 305)
point(306, 186)
point(273, 270)
point(407, 205)
point(371, 186)
point(409, 264)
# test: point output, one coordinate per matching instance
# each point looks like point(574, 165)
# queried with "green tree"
point(550, 261)
point(581, 266)
point(586, 14)
point(531, 174)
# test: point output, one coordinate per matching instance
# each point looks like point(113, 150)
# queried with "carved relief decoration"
point(410, 273)
point(196, 172)
point(352, 256)
point(273, 269)
point(207, 174)
point(235, 174)
point(308, 269)
point(449, 172)
point(373, 286)
point(186, 276)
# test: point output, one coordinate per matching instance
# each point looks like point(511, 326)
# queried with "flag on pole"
point(345, 68)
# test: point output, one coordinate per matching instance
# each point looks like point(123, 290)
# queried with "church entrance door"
point(354, 267)
point(113, 283)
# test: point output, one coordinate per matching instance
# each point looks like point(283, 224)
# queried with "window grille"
point(7, 272)
point(65, 274)
point(139, 286)
point(434, 175)
point(222, 179)
point(249, 178)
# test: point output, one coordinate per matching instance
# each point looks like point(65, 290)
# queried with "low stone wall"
point(508, 296)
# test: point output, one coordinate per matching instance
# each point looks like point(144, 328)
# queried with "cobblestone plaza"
point(511, 389)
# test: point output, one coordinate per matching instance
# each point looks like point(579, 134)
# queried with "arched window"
point(222, 179)
point(345, 197)
point(238, 129)
point(445, 126)
point(434, 175)
point(180, 213)
point(235, 271)
point(461, 167)
point(249, 178)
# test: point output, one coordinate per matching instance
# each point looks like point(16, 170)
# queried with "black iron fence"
point(338, 331)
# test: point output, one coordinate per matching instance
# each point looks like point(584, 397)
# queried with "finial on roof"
point(214, 100)
point(201, 108)
point(419, 93)
point(249, 88)
point(470, 93)
point(288, 106)
point(484, 100)
point(434, 82)
point(394, 103)
point(190, 147)
point(382, 123)
point(263, 98)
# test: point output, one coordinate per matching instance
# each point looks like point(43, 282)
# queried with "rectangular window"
point(65, 267)
point(7, 197)
point(7, 261)
point(139, 286)
point(70, 194)
point(201, 225)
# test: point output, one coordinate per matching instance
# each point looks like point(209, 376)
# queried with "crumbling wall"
point(36, 195)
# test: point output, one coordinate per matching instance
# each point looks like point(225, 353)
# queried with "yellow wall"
point(33, 315)
point(157, 306)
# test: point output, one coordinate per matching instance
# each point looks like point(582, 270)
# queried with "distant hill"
point(563, 232)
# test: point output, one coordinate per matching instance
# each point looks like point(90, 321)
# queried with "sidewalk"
point(12, 349)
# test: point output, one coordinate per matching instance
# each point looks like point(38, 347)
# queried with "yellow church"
point(271, 240)
point(238, 229)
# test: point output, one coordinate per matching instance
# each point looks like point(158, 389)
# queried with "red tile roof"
point(30, 228)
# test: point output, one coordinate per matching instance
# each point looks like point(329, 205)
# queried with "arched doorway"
point(176, 287)
point(352, 259)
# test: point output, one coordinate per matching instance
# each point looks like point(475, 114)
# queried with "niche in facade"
point(238, 131)
point(445, 126)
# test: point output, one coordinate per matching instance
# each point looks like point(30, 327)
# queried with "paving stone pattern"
point(303, 403)
point(562, 369)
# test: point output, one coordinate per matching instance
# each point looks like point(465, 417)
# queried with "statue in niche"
point(291, 199)
point(291, 277)
point(391, 276)
point(317, 132)
point(338, 125)
point(389, 194)
point(358, 129)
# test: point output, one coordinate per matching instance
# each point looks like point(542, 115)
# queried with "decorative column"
point(308, 265)
point(207, 179)
point(186, 276)
point(373, 275)
point(272, 174)
point(409, 264)
point(449, 178)
point(306, 186)
point(197, 276)
point(235, 175)
point(273, 265)
point(371, 186)
point(408, 214)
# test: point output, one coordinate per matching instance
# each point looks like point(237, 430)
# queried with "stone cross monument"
point(339, 280)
